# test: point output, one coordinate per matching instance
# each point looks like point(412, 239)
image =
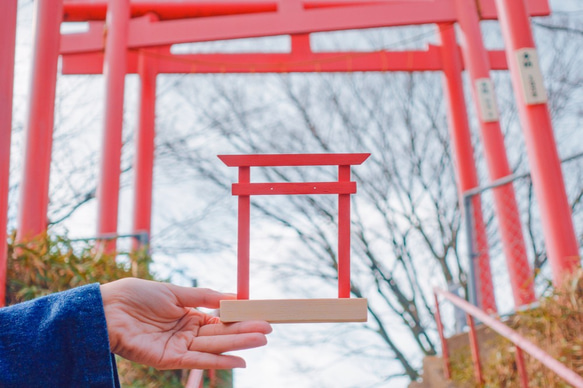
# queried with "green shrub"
point(555, 326)
point(51, 263)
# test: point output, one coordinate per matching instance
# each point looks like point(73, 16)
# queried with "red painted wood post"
point(444, 348)
point(344, 236)
point(114, 68)
point(8, 44)
point(547, 177)
point(145, 147)
point(475, 350)
point(465, 165)
point(477, 63)
point(520, 365)
point(34, 190)
point(244, 237)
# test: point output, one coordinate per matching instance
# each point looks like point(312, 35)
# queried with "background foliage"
point(53, 263)
point(554, 326)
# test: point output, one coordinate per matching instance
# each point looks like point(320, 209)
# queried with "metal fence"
point(512, 249)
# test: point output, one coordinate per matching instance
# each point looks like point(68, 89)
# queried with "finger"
point(199, 297)
point(235, 328)
point(227, 343)
point(200, 360)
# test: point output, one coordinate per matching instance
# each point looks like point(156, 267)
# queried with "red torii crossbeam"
point(301, 59)
point(286, 311)
point(290, 17)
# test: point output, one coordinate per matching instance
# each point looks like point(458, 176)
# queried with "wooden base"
point(295, 310)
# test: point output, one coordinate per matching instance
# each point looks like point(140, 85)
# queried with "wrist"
point(108, 300)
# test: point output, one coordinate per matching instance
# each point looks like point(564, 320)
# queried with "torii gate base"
point(343, 309)
point(295, 310)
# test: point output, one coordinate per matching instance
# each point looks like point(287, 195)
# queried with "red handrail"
point(521, 343)
point(195, 379)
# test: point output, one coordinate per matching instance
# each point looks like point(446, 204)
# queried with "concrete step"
point(433, 365)
point(433, 375)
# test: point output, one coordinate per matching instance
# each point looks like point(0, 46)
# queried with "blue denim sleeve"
point(58, 340)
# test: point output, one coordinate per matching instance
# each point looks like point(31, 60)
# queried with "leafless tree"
point(405, 217)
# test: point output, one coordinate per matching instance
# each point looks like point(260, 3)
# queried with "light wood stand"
point(295, 310)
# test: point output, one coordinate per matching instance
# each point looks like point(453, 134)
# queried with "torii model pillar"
point(343, 309)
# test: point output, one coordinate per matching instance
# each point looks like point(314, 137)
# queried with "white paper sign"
point(487, 100)
point(533, 87)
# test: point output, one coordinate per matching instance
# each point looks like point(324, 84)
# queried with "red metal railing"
point(196, 378)
point(521, 344)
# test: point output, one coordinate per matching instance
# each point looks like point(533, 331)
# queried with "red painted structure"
point(244, 189)
point(476, 60)
point(560, 239)
point(114, 71)
point(146, 133)
point(148, 40)
point(8, 43)
point(467, 176)
point(34, 191)
point(302, 58)
point(520, 343)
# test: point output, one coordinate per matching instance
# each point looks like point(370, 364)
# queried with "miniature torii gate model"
point(343, 309)
point(138, 38)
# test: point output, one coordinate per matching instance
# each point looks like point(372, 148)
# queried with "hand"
point(157, 324)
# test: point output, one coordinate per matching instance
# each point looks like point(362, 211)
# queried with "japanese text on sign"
point(487, 100)
point(531, 76)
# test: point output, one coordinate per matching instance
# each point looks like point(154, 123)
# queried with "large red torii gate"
point(298, 21)
point(76, 60)
point(261, 18)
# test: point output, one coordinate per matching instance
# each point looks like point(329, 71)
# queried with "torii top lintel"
point(288, 17)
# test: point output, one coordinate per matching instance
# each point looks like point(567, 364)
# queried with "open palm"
point(157, 324)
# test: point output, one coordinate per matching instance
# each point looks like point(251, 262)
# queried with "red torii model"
point(289, 19)
point(294, 310)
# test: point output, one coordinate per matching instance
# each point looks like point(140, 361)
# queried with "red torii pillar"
point(467, 176)
point(547, 177)
point(114, 69)
point(145, 148)
point(8, 45)
point(34, 190)
point(476, 60)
